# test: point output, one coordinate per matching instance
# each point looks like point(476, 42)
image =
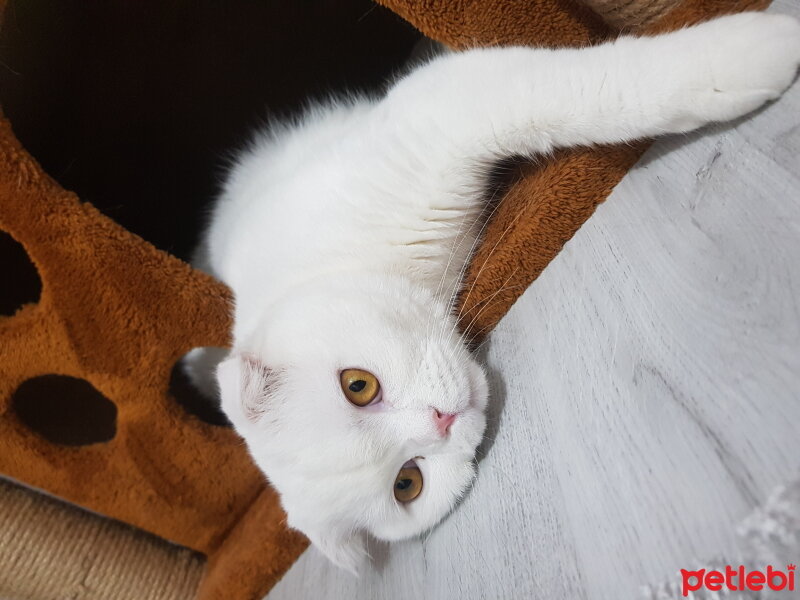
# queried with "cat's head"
point(363, 409)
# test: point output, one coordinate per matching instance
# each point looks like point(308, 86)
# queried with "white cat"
point(344, 236)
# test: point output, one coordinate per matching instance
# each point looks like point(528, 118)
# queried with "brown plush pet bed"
point(87, 412)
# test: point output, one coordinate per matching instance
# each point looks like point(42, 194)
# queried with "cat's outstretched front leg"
point(488, 103)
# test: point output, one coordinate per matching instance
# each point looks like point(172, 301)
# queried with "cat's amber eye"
point(408, 483)
point(359, 387)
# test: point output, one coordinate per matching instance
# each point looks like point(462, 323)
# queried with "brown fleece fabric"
point(118, 313)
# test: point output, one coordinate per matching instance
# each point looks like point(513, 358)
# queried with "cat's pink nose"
point(443, 421)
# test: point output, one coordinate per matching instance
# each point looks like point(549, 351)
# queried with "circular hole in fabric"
point(65, 410)
point(20, 279)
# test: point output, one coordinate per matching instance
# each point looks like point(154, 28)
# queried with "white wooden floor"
point(646, 388)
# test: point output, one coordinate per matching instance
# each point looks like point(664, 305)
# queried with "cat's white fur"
point(343, 238)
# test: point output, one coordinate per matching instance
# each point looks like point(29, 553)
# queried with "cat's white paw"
point(749, 58)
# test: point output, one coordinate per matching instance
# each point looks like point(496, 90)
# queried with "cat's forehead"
point(412, 361)
point(400, 335)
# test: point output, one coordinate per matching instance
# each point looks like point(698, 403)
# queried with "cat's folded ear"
point(244, 385)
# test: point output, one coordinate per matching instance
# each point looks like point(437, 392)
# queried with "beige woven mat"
point(53, 551)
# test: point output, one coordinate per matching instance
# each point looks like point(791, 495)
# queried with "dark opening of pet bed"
point(136, 105)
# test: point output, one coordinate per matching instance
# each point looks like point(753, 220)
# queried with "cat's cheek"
point(375, 407)
point(479, 386)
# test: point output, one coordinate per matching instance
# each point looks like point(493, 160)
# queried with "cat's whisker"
point(502, 288)
point(484, 219)
point(458, 239)
point(468, 336)
point(492, 203)
point(490, 298)
point(486, 260)
point(483, 341)
point(483, 266)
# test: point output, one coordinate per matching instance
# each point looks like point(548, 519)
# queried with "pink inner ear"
point(243, 382)
point(253, 362)
point(256, 376)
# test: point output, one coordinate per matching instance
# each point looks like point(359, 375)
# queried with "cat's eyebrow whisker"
point(483, 342)
point(483, 330)
point(490, 202)
point(485, 262)
point(458, 288)
point(440, 288)
point(468, 335)
point(502, 288)
point(486, 301)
